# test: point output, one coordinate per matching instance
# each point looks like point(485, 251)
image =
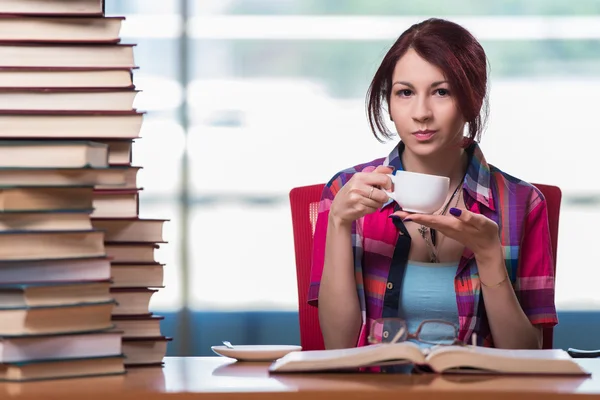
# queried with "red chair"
point(553, 197)
point(304, 203)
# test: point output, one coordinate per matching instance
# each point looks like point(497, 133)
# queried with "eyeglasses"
point(431, 331)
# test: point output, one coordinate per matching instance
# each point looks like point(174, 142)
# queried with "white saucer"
point(255, 352)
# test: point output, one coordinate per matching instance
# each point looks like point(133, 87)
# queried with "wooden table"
point(222, 378)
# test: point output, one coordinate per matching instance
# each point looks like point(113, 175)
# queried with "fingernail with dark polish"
point(406, 220)
point(394, 217)
point(455, 211)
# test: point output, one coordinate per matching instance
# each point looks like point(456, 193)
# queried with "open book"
point(441, 359)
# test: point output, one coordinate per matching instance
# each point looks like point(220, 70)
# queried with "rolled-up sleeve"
point(318, 252)
point(320, 235)
point(535, 275)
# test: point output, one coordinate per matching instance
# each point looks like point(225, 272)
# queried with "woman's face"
point(423, 108)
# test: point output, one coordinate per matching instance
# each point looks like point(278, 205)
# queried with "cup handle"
point(390, 194)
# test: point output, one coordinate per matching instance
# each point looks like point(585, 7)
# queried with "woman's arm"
point(516, 315)
point(339, 309)
point(532, 300)
point(510, 327)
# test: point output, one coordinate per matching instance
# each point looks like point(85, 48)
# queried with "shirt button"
point(386, 334)
point(390, 285)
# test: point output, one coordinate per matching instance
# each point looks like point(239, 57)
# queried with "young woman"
point(483, 262)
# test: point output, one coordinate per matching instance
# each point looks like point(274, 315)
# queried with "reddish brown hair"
point(451, 48)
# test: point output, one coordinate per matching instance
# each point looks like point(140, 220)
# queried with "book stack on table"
point(77, 266)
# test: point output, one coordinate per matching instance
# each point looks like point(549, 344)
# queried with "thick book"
point(14, 54)
point(131, 230)
point(64, 220)
point(22, 28)
point(440, 359)
point(145, 351)
point(42, 320)
point(131, 252)
point(52, 154)
point(53, 7)
point(150, 275)
point(69, 124)
point(99, 177)
point(44, 78)
point(34, 245)
point(55, 270)
point(130, 175)
point(52, 294)
point(73, 99)
point(46, 198)
point(62, 368)
point(120, 151)
point(116, 203)
point(136, 326)
point(60, 346)
point(132, 301)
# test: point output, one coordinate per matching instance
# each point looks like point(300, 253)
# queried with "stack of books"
point(67, 196)
point(136, 276)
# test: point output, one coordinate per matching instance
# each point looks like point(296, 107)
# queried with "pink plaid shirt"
point(381, 252)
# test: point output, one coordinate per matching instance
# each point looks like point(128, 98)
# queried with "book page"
point(378, 354)
point(470, 359)
point(546, 354)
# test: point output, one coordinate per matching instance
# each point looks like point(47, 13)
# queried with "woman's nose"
point(422, 111)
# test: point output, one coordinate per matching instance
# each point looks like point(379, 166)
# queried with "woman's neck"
point(453, 164)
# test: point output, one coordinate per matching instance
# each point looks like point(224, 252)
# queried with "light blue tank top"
point(428, 293)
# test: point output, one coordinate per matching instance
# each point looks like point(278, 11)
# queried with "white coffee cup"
point(419, 193)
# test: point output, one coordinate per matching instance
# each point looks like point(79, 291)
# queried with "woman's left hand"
point(475, 231)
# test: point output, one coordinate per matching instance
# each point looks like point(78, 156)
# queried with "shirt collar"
point(477, 183)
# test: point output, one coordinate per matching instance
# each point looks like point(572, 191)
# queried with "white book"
point(45, 124)
point(48, 78)
point(52, 154)
point(66, 55)
point(72, 99)
point(52, 7)
point(59, 29)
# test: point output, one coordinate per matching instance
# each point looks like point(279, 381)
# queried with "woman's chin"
point(423, 149)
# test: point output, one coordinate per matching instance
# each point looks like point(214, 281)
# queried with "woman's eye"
point(443, 92)
point(404, 92)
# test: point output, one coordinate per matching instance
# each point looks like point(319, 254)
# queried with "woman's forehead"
point(412, 68)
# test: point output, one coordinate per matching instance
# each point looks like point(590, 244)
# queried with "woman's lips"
point(424, 136)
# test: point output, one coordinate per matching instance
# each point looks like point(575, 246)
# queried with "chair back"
point(304, 203)
point(553, 197)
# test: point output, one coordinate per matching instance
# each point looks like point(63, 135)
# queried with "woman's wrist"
point(491, 266)
point(337, 223)
point(491, 255)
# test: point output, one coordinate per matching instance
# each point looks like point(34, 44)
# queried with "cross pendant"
point(423, 231)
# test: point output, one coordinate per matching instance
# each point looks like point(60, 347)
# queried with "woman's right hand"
point(361, 195)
